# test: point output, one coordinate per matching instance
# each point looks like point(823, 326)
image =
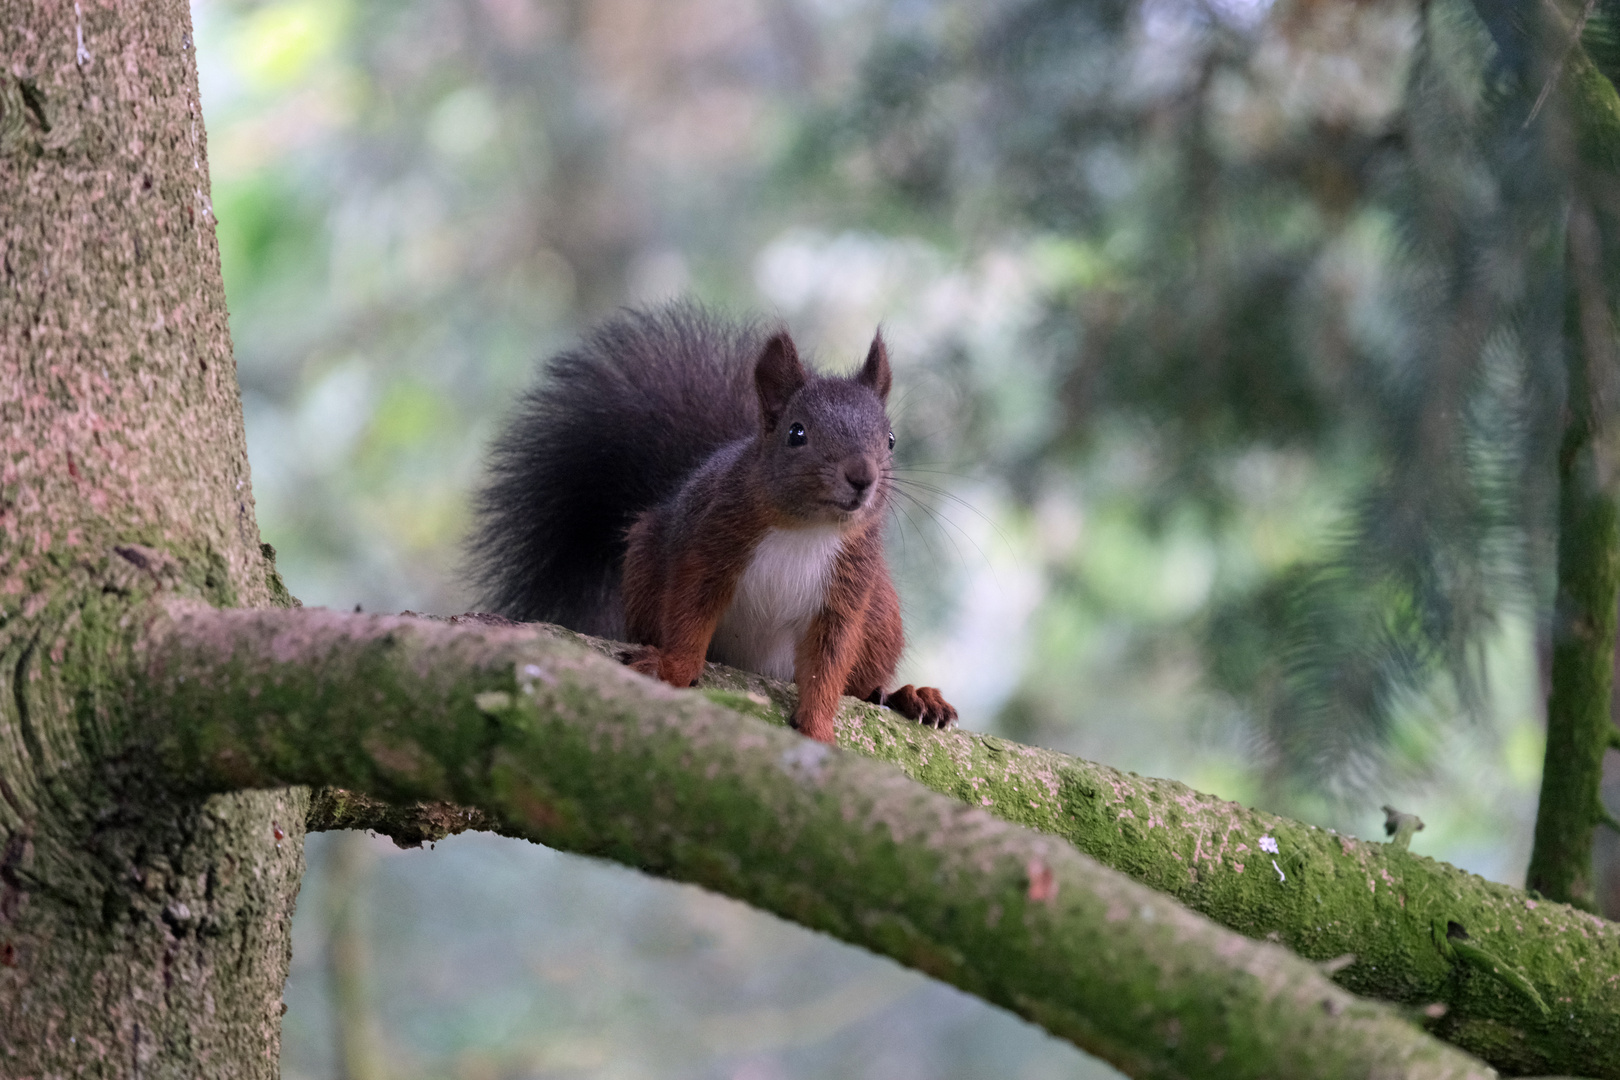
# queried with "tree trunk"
point(1580, 729)
point(1578, 709)
point(140, 934)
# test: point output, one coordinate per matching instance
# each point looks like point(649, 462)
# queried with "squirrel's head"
point(827, 448)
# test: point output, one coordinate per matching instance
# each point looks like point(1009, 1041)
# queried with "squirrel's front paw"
point(643, 659)
point(681, 671)
point(819, 728)
point(923, 704)
point(661, 664)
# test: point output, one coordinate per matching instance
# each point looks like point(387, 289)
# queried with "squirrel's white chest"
point(780, 592)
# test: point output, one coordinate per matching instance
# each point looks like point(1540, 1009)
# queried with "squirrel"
point(682, 482)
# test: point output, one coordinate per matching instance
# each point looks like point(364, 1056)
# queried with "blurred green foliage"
point(1227, 341)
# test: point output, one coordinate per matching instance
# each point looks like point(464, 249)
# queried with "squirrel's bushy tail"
point(613, 427)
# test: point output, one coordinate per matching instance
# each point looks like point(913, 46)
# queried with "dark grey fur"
point(614, 427)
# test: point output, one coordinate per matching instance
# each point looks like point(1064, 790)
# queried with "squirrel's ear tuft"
point(875, 372)
point(777, 376)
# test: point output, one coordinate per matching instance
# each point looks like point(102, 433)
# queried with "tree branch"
point(566, 748)
point(1321, 894)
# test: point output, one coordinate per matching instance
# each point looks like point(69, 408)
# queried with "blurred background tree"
point(1228, 351)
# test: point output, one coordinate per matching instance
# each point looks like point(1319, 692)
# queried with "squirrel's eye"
point(891, 440)
point(796, 436)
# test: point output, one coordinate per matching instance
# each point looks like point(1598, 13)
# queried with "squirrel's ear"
point(778, 376)
point(875, 372)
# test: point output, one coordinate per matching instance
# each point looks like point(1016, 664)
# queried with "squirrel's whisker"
point(944, 494)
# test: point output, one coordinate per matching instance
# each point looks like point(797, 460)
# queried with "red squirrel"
point(685, 483)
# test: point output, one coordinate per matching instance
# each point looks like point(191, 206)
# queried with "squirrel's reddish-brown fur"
point(749, 496)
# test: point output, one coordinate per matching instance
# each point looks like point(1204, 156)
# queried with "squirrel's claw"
point(923, 704)
point(938, 712)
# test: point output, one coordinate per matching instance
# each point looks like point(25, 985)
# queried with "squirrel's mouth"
point(849, 507)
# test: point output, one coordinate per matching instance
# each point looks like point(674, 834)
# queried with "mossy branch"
point(570, 749)
point(1323, 895)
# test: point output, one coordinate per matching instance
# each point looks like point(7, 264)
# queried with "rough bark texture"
point(140, 933)
point(121, 411)
point(565, 747)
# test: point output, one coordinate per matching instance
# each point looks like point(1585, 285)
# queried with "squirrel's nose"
point(859, 474)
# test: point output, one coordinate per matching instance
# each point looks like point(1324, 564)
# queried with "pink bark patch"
point(1042, 884)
